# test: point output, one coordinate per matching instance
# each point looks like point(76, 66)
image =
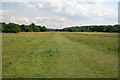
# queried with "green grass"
point(59, 55)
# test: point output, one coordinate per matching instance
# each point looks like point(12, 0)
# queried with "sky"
point(59, 13)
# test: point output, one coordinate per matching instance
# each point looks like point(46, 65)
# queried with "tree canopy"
point(15, 28)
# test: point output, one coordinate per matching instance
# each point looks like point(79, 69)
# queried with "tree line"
point(15, 28)
point(94, 28)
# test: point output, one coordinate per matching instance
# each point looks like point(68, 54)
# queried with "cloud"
point(56, 14)
point(75, 8)
point(12, 18)
point(59, 0)
point(57, 5)
point(2, 12)
point(62, 18)
point(28, 5)
point(2, 18)
point(42, 18)
point(19, 20)
point(23, 19)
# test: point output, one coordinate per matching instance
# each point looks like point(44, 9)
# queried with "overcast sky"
point(60, 13)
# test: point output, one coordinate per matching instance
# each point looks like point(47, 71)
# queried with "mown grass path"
point(60, 55)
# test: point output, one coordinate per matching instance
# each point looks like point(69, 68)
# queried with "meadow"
point(60, 55)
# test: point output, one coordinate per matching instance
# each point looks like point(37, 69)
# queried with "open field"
point(60, 55)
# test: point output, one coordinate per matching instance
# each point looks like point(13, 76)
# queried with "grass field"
point(60, 55)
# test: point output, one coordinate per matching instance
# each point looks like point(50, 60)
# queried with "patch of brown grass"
point(102, 33)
